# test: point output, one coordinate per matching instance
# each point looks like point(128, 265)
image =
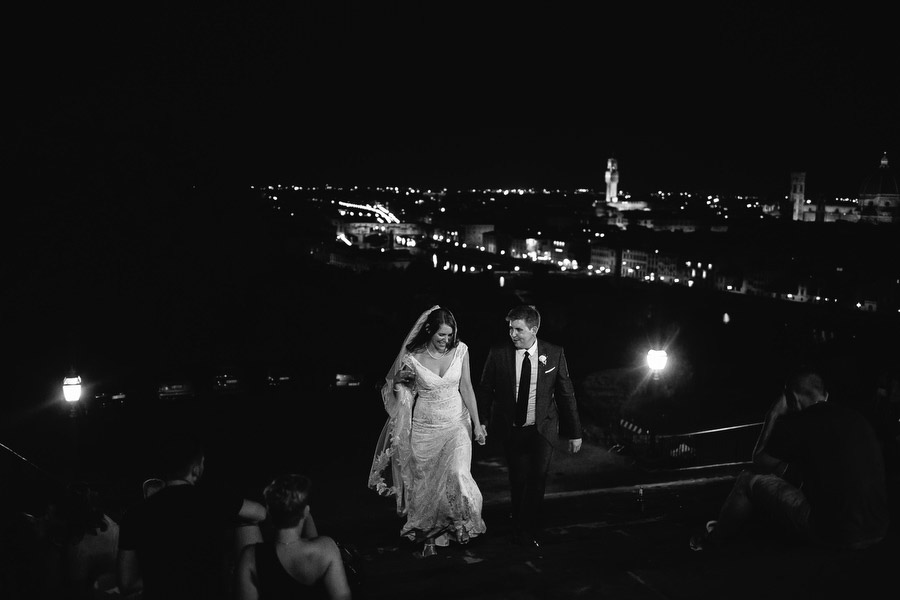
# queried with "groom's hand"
point(574, 446)
point(481, 435)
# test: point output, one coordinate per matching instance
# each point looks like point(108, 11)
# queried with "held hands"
point(481, 434)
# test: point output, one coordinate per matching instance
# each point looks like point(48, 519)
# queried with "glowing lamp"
point(72, 388)
point(656, 360)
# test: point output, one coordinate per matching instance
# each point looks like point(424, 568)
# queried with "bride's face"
point(441, 338)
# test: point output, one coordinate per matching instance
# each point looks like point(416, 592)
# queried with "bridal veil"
point(391, 471)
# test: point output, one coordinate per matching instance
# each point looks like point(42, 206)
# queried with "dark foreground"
point(615, 528)
point(616, 541)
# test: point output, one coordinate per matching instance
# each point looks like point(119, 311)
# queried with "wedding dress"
point(424, 453)
point(444, 496)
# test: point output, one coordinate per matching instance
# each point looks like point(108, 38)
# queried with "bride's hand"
point(405, 375)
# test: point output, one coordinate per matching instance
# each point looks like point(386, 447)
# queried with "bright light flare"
point(72, 388)
point(656, 359)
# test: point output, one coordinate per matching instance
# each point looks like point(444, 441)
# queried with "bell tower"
point(612, 181)
point(798, 194)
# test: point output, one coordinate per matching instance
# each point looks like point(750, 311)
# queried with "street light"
point(72, 394)
point(72, 387)
point(656, 360)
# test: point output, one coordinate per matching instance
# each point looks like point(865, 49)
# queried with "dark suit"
point(528, 449)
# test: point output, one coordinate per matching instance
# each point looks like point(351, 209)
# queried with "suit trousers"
point(528, 456)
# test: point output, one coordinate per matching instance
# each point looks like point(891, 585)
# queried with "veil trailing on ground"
point(391, 472)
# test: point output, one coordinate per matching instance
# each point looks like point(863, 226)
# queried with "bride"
point(425, 448)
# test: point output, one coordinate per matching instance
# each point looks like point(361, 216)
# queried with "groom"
point(526, 391)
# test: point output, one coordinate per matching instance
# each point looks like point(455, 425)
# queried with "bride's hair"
point(437, 317)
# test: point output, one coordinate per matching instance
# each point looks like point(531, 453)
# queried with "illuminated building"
point(879, 196)
point(879, 200)
point(612, 180)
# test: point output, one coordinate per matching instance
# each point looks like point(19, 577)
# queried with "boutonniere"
point(543, 359)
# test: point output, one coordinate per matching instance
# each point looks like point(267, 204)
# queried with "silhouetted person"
point(787, 403)
point(88, 539)
point(843, 500)
point(296, 562)
point(173, 544)
point(30, 561)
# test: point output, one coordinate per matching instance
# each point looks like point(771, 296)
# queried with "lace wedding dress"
point(443, 497)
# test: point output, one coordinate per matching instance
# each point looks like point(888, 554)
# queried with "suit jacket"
point(555, 410)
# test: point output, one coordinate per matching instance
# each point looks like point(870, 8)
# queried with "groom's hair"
point(527, 313)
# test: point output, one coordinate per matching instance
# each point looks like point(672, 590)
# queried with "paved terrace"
point(614, 531)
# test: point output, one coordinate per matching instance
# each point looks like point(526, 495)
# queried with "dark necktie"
point(524, 385)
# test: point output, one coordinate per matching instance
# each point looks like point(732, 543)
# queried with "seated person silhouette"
point(843, 500)
point(173, 543)
point(89, 541)
point(296, 562)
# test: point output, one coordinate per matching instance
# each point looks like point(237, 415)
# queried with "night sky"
point(718, 97)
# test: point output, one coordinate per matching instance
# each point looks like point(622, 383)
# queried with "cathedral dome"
point(881, 182)
point(879, 196)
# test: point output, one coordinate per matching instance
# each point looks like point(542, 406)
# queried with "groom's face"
point(521, 335)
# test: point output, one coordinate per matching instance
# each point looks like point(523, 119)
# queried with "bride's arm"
point(468, 395)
